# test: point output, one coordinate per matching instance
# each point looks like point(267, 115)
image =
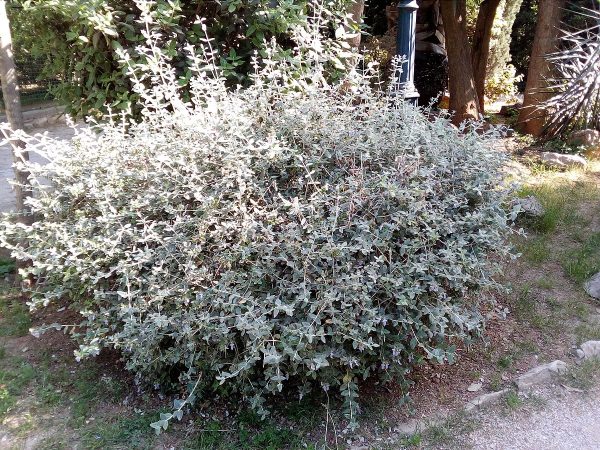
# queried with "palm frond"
point(576, 81)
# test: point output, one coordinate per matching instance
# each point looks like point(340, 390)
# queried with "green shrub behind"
point(77, 39)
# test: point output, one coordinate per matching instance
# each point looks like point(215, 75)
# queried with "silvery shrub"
point(290, 235)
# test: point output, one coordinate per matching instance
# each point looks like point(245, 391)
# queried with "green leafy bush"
point(291, 234)
point(77, 39)
point(502, 84)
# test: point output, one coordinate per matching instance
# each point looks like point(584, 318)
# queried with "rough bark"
point(431, 59)
point(532, 117)
point(481, 46)
point(463, 95)
point(12, 102)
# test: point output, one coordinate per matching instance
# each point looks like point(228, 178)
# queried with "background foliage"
point(502, 77)
point(77, 39)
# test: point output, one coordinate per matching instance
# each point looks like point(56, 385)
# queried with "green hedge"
point(77, 40)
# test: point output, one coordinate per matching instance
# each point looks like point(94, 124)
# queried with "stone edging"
point(41, 118)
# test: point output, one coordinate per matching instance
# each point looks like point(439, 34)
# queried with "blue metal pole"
point(405, 47)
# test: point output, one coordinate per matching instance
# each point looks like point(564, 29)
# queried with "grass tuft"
point(14, 314)
point(535, 249)
point(119, 432)
point(7, 266)
point(583, 262)
point(451, 432)
point(15, 376)
point(512, 400)
point(585, 375)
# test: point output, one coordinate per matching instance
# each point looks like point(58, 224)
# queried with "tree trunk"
point(431, 58)
point(463, 96)
point(531, 117)
point(12, 102)
point(481, 46)
point(356, 10)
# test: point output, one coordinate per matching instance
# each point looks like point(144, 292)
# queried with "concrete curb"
point(42, 117)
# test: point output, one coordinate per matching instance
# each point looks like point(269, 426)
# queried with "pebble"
point(485, 399)
point(474, 387)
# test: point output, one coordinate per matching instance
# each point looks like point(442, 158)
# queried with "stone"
point(39, 122)
point(509, 110)
point(411, 426)
point(572, 389)
point(540, 374)
point(589, 349)
point(485, 399)
point(530, 206)
point(474, 387)
point(590, 139)
point(562, 161)
point(592, 286)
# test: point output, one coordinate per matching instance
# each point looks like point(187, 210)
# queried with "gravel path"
point(7, 196)
point(566, 422)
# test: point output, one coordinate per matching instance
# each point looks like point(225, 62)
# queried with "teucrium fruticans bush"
point(290, 234)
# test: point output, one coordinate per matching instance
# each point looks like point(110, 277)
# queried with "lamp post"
point(405, 47)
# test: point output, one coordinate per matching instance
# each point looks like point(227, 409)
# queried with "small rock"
point(40, 122)
point(540, 374)
point(474, 387)
point(411, 426)
point(563, 161)
point(530, 206)
point(590, 139)
point(589, 349)
point(592, 286)
point(508, 110)
point(485, 399)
